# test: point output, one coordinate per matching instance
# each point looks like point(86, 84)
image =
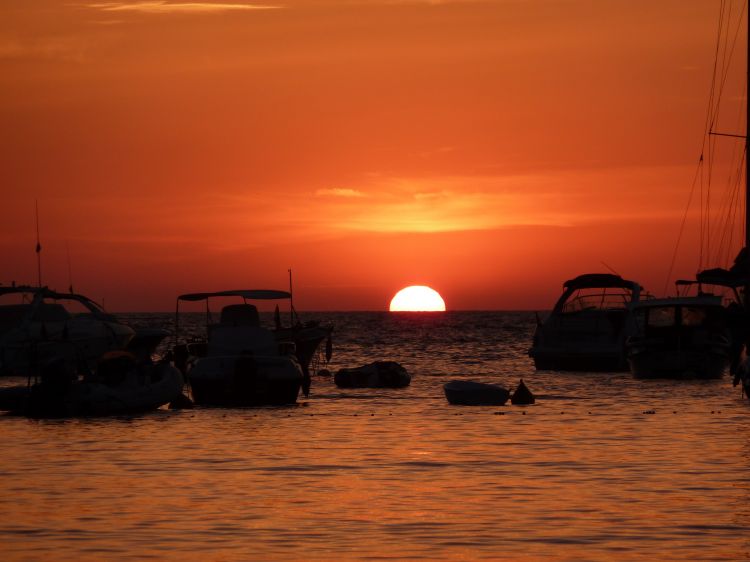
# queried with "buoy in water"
point(522, 395)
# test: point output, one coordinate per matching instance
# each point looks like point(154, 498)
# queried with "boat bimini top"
point(246, 294)
point(244, 313)
point(600, 280)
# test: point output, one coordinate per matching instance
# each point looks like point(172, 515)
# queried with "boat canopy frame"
point(601, 280)
point(244, 294)
point(597, 281)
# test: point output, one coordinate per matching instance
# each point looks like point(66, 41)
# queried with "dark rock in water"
point(324, 373)
point(379, 374)
point(470, 393)
point(522, 395)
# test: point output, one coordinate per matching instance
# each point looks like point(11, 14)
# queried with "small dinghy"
point(471, 393)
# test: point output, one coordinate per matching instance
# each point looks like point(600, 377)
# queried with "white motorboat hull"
point(26, 350)
point(141, 389)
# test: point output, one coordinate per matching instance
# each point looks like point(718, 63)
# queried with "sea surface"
point(602, 467)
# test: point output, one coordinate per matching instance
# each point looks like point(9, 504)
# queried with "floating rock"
point(379, 374)
point(522, 395)
point(471, 393)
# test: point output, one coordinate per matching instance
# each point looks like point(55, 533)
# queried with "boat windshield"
point(660, 317)
point(596, 298)
point(678, 315)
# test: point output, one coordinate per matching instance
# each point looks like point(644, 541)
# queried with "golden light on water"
point(417, 298)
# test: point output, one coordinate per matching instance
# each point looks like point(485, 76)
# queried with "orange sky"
point(490, 150)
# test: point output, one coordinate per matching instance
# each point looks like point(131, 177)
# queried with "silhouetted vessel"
point(697, 336)
point(587, 329)
point(240, 363)
point(119, 385)
point(679, 337)
point(40, 328)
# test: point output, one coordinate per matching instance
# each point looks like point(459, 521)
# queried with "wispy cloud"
point(464, 203)
point(339, 192)
point(164, 7)
point(68, 49)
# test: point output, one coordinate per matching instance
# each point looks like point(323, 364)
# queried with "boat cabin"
point(680, 317)
point(239, 332)
point(588, 325)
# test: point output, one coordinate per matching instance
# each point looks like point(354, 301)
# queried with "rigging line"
point(728, 219)
point(738, 183)
point(708, 125)
point(723, 65)
point(712, 88)
point(736, 170)
point(702, 223)
point(726, 65)
point(727, 61)
point(728, 212)
point(738, 210)
point(698, 171)
point(707, 215)
point(714, 75)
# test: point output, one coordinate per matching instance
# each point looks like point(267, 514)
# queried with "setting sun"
point(417, 298)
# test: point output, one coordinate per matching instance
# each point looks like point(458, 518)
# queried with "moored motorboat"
point(240, 363)
point(303, 338)
point(587, 328)
point(679, 337)
point(120, 385)
point(472, 393)
point(41, 325)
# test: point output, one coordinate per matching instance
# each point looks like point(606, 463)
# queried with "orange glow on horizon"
point(417, 298)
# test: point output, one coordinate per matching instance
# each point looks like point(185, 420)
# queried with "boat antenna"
point(605, 264)
point(38, 246)
point(70, 270)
